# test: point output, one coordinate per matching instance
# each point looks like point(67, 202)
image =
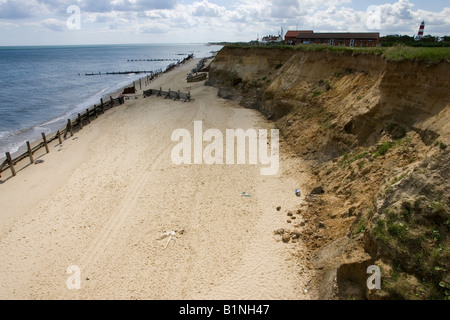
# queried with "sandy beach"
point(102, 200)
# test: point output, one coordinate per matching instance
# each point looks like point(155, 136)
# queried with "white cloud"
point(53, 24)
point(240, 20)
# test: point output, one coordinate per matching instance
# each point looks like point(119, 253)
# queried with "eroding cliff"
point(376, 134)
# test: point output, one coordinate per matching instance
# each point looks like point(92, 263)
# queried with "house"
point(347, 39)
point(291, 36)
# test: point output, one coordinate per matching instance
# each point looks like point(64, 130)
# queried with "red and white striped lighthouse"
point(421, 30)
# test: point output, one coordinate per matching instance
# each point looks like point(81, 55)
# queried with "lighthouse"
point(421, 30)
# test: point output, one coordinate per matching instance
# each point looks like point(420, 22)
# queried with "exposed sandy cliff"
point(375, 133)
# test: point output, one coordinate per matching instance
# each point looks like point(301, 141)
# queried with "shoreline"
point(114, 94)
point(103, 201)
point(51, 126)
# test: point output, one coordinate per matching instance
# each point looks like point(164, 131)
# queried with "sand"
point(102, 200)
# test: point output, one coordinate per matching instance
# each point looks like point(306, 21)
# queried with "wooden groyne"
point(151, 60)
point(84, 118)
point(174, 95)
point(117, 72)
point(152, 72)
point(72, 125)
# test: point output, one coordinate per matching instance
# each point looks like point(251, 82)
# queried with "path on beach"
point(104, 198)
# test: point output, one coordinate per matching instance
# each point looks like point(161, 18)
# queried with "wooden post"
point(70, 127)
point(96, 111)
point(188, 97)
point(101, 105)
point(11, 165)
point(177, 95)
point(80, 121)
point(30, 153)
point(59, 137)
point(87, 115)
point(45, 142)
point(112, 101)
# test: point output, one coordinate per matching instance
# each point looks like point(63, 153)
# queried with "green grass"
point(316, 93)
point(383, 148)
point(395, 53)
point(348, 159)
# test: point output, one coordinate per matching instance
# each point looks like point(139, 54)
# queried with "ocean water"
point(41, 87)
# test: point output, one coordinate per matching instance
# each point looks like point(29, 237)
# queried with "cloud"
point(20, 9)
point(206, 9)
point(8, 25)
point(53, 24)
point(239, 20)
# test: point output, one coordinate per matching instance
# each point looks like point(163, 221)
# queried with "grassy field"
point(395, 53)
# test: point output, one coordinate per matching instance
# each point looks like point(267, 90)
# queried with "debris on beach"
point(286, 237)
point(169, 235)
point(244, 194)
point(317, 190)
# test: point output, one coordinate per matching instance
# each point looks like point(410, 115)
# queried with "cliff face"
point(376, 133)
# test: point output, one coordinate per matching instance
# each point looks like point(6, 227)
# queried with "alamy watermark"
point(213, 153)
point(374, 281)
point(73, 22)
point(74, 280)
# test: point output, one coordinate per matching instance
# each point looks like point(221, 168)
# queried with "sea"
point(43, 86)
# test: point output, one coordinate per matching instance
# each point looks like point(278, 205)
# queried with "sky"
point(77, 22)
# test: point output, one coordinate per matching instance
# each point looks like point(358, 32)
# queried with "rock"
point(302, 224)
point(295, 234)
point(289, 214)
point(286, 237)
point(278, 208)
point(288, 221)
point(321, 224)
point(293, 217)
point(279, 232)
point(365, 171)
point(317, 190)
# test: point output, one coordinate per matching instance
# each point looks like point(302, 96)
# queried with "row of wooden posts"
point(71, 125)
point(9, 163)
point(175, 95)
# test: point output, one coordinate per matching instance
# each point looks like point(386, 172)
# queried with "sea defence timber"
point(84, 118)
point(72, 125)
point(175, 95)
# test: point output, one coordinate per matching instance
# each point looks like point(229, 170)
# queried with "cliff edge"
point(375, 134)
